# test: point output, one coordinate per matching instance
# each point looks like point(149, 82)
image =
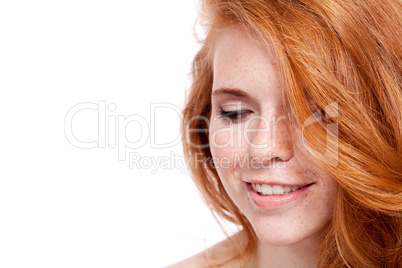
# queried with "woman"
point(293, 131)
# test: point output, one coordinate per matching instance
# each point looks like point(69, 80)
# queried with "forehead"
point(241, 61)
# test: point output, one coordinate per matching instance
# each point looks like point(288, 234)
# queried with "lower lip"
point(275, 201)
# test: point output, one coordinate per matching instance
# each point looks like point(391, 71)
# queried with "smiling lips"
point(276, 196)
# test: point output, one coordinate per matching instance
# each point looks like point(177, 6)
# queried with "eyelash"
point(319, 113)
point(233, 116)
point(236, 115)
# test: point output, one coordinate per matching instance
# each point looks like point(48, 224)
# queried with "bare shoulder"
point(217, 252)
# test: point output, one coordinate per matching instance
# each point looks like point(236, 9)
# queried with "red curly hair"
point(349, 51)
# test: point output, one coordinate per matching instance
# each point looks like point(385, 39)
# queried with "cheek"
point(223, 145)
point(220, 138)
point(329, 194)
point(321, 200)
point(226, 151)
point(315, 210)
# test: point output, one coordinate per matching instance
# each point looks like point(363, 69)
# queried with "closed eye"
point(319, 114)
point(234, 116)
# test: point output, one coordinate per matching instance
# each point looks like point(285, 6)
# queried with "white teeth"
point(258, 186)
point(265, 189)
point(255, 188)
point(288, 189)
point(278, 189)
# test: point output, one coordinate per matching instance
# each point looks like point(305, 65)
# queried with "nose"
point(271, 142)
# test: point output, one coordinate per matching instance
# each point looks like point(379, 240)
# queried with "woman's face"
point(285, 197)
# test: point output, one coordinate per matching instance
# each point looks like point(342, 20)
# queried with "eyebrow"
point(230, 91)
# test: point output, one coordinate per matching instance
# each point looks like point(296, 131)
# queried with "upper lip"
point(278, 183)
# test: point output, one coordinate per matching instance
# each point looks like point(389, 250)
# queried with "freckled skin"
point(239, 62)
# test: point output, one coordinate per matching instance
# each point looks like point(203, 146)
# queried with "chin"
point(286, 233)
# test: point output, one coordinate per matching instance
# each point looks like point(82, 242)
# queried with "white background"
point(64, 206)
